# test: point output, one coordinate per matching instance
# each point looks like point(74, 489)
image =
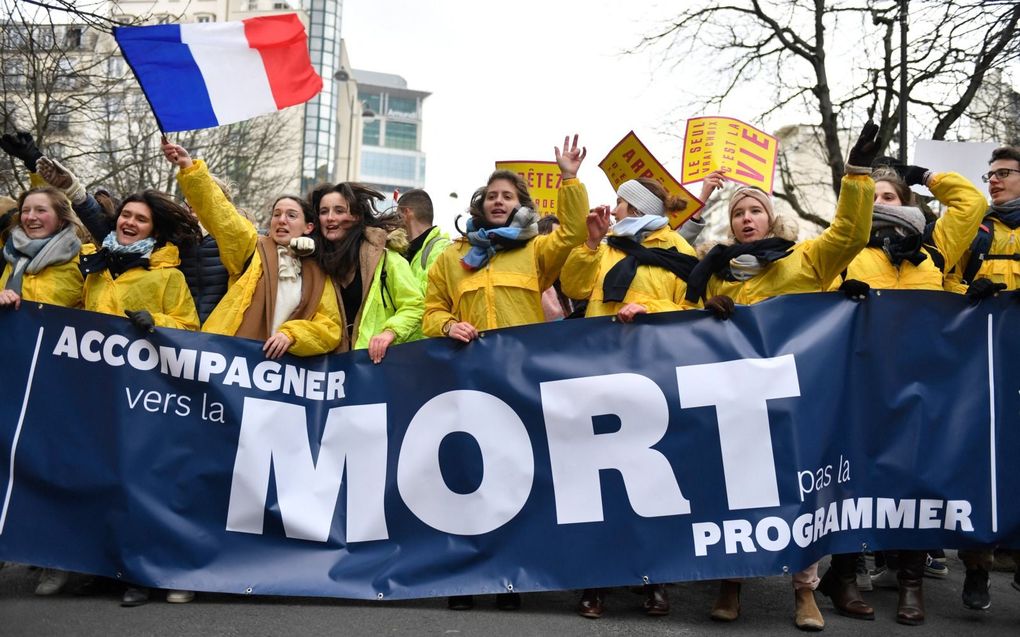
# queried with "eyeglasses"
point(999, 174)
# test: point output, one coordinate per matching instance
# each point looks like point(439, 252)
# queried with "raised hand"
point(176, 154)
point(21, 145)
point(61, 178)
point(570, 158)
point(863, 154)
point(598, 226)
point(713, 181)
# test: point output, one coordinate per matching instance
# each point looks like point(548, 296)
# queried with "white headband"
point(637, 195)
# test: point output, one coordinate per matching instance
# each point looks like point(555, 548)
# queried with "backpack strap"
point(983, 243)
point(383, 290)
point(427, 248)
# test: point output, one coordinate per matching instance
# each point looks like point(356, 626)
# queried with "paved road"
point(767, 610)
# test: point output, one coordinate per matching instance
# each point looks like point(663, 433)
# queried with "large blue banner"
point(564, 455)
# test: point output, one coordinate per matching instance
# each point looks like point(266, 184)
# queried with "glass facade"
point(320, 113)
point(401, 135)
point(391, 156)
point(397, 167)
point(370, 132)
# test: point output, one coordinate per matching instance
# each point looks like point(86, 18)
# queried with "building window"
point(370, 136)
point(391, 167)
point(74, 37)
point(281, 6)
point(404, 107)
point(371, 101)
point(252, 5)
point(401, 135)
point(60, 122)
point(205, 17)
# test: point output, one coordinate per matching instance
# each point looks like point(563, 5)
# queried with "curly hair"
point(338, 258)
point(171, 222)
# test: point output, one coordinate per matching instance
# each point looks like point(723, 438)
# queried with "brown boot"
point(840, 584)
point(592, 603)
point(656, 600)
point(727, 605)
point(807, 616)
point(910, 609)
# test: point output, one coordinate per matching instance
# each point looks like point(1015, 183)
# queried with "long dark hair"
point(171, 222)
point(338, 258)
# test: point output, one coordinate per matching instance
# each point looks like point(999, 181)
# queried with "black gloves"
point(142, 319)
point(855, 290)
point(913, 175)
point(22, 146)
point(721, 306)
point(864, 151)
point(982, 289)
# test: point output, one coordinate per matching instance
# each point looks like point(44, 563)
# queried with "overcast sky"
point(509, 80)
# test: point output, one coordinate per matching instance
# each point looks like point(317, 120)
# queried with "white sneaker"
point(885, 579)
point(179, 597)
point(51, 581)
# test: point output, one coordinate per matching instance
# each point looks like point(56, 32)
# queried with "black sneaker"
point(975, 589)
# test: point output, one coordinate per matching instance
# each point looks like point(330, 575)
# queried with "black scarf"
point(117, 264)
point(897, 247)
point(621, 275)
point(717, 262)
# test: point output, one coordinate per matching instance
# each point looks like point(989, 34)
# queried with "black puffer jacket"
point(206, 276)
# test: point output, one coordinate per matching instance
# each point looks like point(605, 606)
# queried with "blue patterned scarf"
point(486, 241)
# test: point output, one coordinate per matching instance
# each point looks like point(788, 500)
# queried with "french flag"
point(212, 74)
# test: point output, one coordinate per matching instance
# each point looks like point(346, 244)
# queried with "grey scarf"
point(32, 256)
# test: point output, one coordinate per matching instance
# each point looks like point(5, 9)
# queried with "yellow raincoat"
point(815, 263)
point(508, 290)
point(953, 233)
point(657, 289)
point(56, 284)
point(236, 238)
point(160, 289)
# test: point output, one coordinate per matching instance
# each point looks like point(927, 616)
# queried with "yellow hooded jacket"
point(508, 290)
point(236, 238)
point(657, 289)
point(953, 233)
point(57, 284)
point(160, 289)
point(814, 263)
point(1005, 241)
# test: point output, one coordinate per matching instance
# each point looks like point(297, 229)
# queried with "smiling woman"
point(134, 273)
point(40, 252)
point(494, 275)
point(278, 294)
point(380, 299)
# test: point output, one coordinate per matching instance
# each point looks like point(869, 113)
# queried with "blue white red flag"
point(211, 74)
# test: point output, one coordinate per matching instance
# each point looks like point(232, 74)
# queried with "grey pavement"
point(767, 609)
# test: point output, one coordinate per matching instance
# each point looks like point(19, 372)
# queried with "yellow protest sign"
point(543, 179)
point(630, 159)
point(746, 154)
